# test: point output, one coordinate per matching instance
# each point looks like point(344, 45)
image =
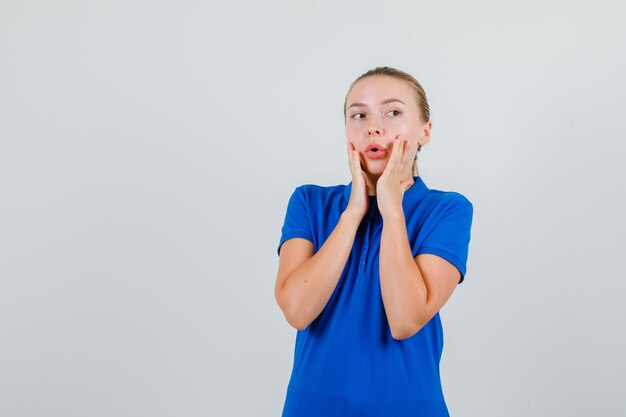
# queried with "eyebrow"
point(389, 100)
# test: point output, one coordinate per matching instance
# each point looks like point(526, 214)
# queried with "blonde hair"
point(420, 95)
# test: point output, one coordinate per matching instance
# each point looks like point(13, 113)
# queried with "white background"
point(148, 150)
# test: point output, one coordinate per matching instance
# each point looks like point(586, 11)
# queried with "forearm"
point(403, 289)
point(309, 287)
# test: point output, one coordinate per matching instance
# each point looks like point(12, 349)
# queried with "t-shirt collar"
point(411, 196)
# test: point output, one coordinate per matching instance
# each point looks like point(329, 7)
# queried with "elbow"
point(294, 318)
point(296, 321)
point(400, 334)
point(406, 331)
point(298, 325)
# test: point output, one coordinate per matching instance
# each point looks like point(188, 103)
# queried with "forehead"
point(373, 89)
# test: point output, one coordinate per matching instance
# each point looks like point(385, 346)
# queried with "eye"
point(397, 111)
point(356, 114)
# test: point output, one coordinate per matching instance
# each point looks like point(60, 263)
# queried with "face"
point(378, 108)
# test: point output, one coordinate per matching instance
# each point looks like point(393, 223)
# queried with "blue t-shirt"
point(346, 362)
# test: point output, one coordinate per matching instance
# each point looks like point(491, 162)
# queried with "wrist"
point(351, 218)
point(394, 215)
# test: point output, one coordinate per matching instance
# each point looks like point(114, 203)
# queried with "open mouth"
point(375, 153)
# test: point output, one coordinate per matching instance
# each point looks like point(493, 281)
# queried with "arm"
point(306, 280)
point(413, 289)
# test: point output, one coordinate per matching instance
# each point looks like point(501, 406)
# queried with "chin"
point(376, 169)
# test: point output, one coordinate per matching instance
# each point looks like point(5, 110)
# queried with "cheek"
point(413, 135)
point(353, 135)
point(351, 128)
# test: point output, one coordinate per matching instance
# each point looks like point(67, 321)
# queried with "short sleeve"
point(450, 237)
point(296, 222)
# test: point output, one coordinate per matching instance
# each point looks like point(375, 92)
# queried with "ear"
point(425, 132)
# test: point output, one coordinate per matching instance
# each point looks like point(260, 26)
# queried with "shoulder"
point(319, 189)
point(319, 194)
point(447, 198)
point(444, 202)
point(450, 197)
point(320, 202)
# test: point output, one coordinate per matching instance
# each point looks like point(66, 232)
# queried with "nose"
point(374, 129)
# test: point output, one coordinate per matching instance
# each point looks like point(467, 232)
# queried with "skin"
point(413, 289)
point(398, 127)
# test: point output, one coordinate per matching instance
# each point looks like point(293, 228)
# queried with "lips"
point(375, 151)
point(374, 147)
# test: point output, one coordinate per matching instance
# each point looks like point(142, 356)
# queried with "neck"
point(372, 179)
point(370, 182)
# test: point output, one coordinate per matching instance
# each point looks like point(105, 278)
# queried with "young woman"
point(365, 268)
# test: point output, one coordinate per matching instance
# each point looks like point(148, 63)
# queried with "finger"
point(394, 152)
point(392, 160)
point(396, 155)
point(356, 162)
point(404, 160)
point(350, 156)
point(406, 157)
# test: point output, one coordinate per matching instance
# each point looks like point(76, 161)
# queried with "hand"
point(390, 188)
point(359, 203)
